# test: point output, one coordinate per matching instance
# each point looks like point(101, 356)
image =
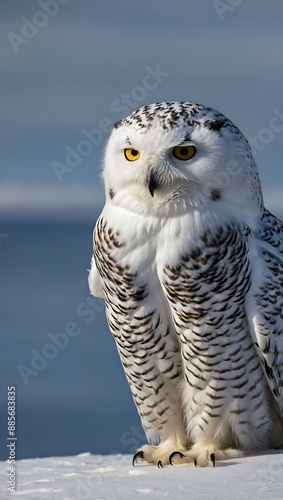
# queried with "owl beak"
point(152, 181)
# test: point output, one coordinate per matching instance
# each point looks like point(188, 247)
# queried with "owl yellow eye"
point(132, 154)
point(184, 152)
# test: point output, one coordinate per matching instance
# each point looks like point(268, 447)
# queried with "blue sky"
point(81, 65)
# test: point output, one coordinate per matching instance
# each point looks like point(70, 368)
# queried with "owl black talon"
point(173, 454)
point(139, 454)
point(195, 462)
point(159, 464)
point(212, 458)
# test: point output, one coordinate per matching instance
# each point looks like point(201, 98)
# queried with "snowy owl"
point(190, 265)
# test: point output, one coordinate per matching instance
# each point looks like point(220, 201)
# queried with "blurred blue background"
point(69, 70)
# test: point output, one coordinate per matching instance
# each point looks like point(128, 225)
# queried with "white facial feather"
point(222, 167)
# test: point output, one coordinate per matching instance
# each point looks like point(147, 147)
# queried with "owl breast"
point(180, 309)
point(138, 317)
point(223, 376)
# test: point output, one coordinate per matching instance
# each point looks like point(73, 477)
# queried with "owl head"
point(173, 157)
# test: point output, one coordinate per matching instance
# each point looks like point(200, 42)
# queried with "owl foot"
point(202, 461)
point(158, 455)
point(204, 456)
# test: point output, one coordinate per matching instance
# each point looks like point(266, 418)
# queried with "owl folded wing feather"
point(264, 302)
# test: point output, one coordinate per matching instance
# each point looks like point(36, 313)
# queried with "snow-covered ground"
point(97, 477)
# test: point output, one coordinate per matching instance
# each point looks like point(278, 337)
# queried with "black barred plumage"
point(191, 270)
point(136, 334)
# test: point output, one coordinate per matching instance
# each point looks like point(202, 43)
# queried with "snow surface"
point(99, 477)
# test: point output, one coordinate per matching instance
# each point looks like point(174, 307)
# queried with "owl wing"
point(264, 301)
point(94, 280)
